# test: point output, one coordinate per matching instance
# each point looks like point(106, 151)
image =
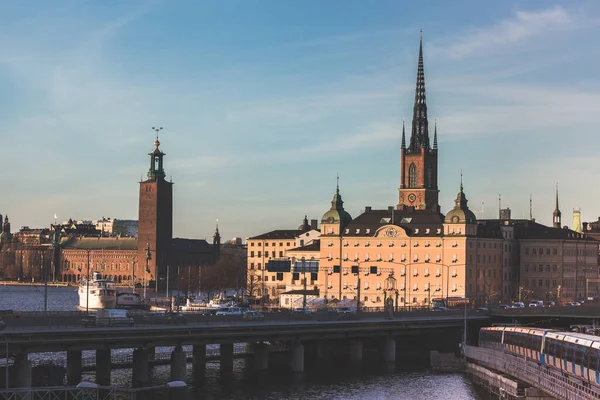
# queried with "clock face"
point(412, 197)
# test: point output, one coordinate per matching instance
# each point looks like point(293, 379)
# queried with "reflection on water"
point(339, 382)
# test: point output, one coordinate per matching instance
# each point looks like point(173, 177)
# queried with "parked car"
point(518, 304)
point(536, 303)
point(253, 316)
point(346, 312)
point(482, 309)
point(167, 318)
point(440, 308)
point(302, 310)
point(550, 304)
point(229, 311)
point(113, 317)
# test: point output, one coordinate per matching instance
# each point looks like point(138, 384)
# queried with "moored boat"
point(97, 293)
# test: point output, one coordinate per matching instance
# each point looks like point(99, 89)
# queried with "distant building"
point(117, 227)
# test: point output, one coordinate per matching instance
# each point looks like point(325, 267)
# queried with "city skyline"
point(295, 98)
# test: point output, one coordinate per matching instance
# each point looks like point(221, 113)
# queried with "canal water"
point(371, 382)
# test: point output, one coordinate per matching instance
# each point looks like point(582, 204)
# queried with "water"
point(334, 384)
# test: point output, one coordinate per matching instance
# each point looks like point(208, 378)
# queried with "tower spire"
point(435, 145)
point(403, 136)
point(556, 215)
point(420, 130)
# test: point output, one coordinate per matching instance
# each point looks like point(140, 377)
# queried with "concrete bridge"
point(295, 334)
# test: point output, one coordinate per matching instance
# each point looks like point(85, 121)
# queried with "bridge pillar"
point(297, 361)
point(103, 364)
point(22, 371)
point(226, 355)
point(199, 357)
point(388, 350)
point(151, 352)
point(261, 356)
point(139, 373)
point(73, 367)
point(323, 353)
point(356, 351)
point(178, 364)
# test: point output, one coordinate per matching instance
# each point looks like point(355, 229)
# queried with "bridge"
point(48, 335)
point(498, 367)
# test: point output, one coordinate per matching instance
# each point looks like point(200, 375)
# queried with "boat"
point(129, 300)
point(100, 292)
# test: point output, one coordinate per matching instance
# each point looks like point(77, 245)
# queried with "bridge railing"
point(546, 378)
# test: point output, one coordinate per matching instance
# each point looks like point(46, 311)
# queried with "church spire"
point(556, 214)
point(435, 135)
point(403, 136)
point(420, 130)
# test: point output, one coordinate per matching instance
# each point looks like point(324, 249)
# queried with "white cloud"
point(522, 26)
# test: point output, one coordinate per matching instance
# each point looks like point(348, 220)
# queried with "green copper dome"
point(336, 214)
point(460, 214)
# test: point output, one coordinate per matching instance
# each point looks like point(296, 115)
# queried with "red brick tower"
point(419, 161)
point(155, 230)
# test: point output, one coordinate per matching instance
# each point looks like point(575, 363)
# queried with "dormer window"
point(438, 231)
point(416, 230)
point(347, 230)
point(357, 230)
point(427, 231)
point(368, 230)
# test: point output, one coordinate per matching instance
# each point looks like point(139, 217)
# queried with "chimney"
point(367, 209)
point(313, 223)
point(585, 226)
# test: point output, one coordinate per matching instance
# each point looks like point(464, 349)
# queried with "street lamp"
point(148, 258)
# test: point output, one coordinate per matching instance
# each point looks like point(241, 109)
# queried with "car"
point(346, 312)
point(229, 311)
point(518, 304)
point(5, 314)
point(302, 310)
point(440, 308)
point(113, 317)
point(482, 309)
point(550, 304)
point(253, 316)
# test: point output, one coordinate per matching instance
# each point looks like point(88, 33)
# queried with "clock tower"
point(419, 161)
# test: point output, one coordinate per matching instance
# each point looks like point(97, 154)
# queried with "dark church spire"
point(556, 214)
point(403, 136)
point(435, 135)
point(420, 130)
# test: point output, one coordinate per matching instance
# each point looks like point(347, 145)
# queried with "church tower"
point(556, 213)
point(216, 244)
point(155, 229)
point(419, 161)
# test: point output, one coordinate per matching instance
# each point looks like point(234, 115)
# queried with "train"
point(576, 354)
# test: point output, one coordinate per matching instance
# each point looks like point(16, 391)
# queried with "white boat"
point(101, 293)
point(129, 300)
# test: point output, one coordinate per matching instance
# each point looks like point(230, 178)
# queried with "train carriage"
point(574, 353)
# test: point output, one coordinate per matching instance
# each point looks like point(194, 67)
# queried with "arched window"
point(429, 177)
point(412, 176)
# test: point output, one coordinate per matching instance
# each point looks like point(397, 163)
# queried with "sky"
point(264, 102)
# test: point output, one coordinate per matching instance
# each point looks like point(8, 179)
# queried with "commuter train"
point(574, 353)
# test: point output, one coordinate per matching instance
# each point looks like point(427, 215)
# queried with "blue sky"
point(264, 102)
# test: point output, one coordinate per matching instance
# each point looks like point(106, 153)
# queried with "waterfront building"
point(82, 248)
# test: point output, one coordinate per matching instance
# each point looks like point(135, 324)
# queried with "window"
point(281, 254)
point(547, 252)
point(555, 252)
point(412, 176)
point(540, 283)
